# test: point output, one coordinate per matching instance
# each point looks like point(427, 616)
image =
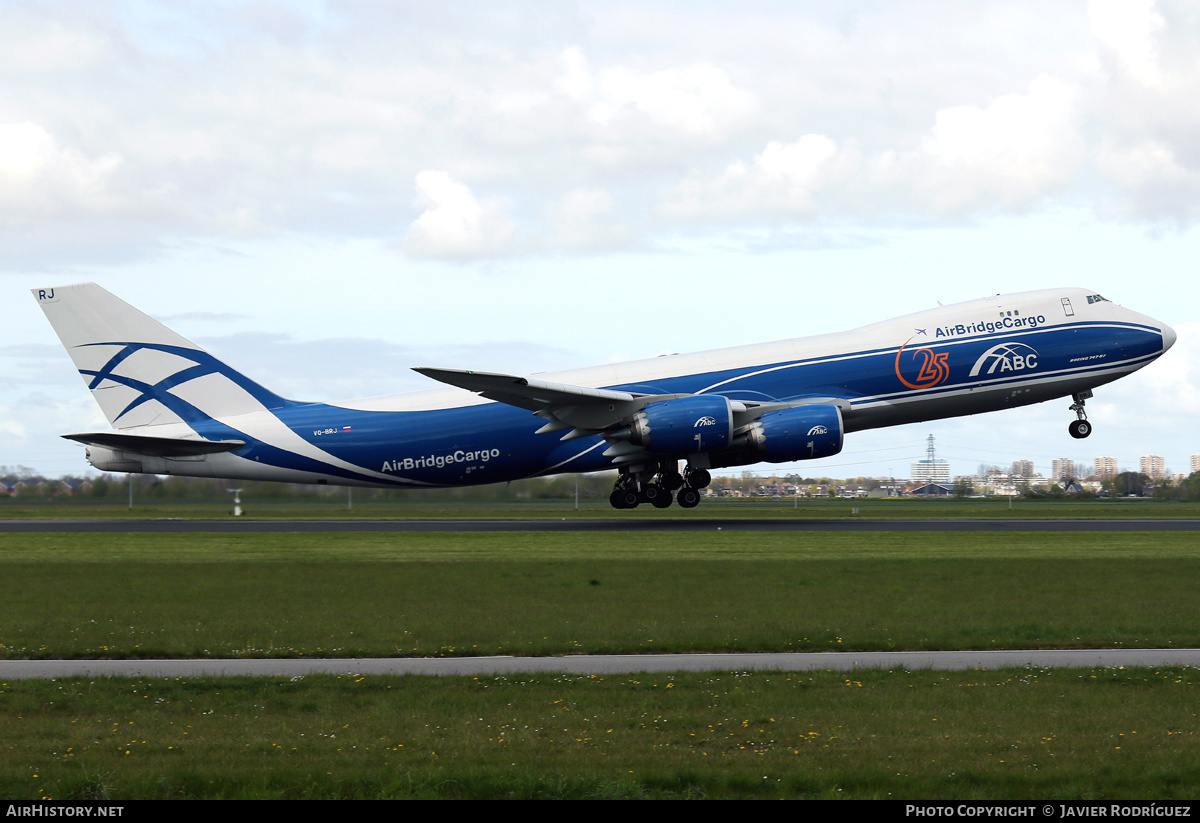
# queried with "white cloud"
point(38, 39)
point(456, 224)
point(576, 78)
point(1012, 153)
point(38, 176)
point(1130, 29)
point(1016, 150)
point(1147, 163)
point(699, 101)
point(785, 178)
point(587, 219)
point(1148, 148)
point(188, 123)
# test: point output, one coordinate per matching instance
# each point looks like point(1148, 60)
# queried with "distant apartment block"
point(1106, 467)
point(1023, 468)
point(1153, 466)
point(1063, 469)
point(930, 471)
point(1194, 464)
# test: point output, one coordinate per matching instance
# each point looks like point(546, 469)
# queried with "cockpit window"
point(1095, 298)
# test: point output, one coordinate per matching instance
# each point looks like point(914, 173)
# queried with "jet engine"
point(686, 425)
point(801, 433)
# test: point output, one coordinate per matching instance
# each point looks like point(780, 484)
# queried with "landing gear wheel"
point(662, 500)
point(687, 498)
point(652, 493)
point(1080, 429)
point(671, 481)
point(624, 499)
point(699, 478)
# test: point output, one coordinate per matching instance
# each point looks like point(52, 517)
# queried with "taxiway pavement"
point(167, 526)
point(603, 664)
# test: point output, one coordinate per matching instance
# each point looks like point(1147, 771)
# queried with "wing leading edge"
point(524, 392)
point(584, 409)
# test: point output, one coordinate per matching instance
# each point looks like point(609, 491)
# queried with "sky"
point(327, 194)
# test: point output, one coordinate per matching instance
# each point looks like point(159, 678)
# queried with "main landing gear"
point(1080, 428)
point(656, 487)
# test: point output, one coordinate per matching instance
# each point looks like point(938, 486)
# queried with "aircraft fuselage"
point(984, 355)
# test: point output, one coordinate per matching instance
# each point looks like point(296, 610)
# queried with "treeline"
point(1187, 489)
point(1128, 484)
point(21, 483)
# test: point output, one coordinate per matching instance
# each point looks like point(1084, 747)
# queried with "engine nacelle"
point(687, 425)
point(802, 433)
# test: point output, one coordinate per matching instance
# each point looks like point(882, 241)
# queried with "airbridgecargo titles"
point(439, 460)
point(990, 326)
point(662, 423)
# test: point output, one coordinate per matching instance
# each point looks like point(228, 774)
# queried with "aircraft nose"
point(1168, 335)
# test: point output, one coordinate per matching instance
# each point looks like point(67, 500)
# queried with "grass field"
point(1007, 734)
point(421, 594)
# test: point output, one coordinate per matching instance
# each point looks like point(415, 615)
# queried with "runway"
point(171, 526)
point(604, 664)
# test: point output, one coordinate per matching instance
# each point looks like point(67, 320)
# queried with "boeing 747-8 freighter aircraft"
point(175, 409)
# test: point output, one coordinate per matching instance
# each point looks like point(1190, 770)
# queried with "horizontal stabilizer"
point(155, 446)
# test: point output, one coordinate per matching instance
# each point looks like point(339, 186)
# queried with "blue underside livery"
point(157, 388)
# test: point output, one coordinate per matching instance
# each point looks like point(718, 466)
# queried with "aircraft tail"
point(139, 371)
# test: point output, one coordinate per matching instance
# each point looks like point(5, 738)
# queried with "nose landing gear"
point(1080, 428)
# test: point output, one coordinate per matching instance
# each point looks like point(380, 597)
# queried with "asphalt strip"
point(605, 664)
point(174, 525)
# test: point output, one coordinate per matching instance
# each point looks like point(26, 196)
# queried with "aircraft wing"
point(155, 446)
point(585, 409)
point(525, 392)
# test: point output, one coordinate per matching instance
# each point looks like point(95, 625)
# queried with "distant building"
point(1194, 463)
point(1023, 468)
point(1153, 466)
point(1106, 467)
point(932, 490)
point(931, 471)
point(888, 488)
point(1063, 468)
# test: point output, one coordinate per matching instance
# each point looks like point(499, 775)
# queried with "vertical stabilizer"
point(140, 372)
